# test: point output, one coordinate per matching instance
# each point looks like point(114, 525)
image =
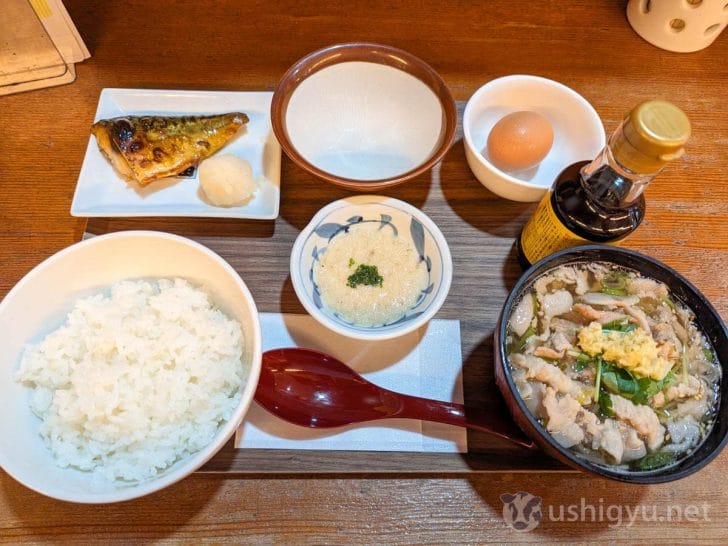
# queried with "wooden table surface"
point(229, 45)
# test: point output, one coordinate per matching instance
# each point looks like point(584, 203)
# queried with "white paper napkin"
point(425, 363)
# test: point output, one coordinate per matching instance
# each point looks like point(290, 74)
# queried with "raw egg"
point(519, 141)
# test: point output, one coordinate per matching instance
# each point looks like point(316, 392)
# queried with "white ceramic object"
point(39, 304)
point(100, 190)
point(678, 25)
point(364, 121)
point(408, 221)
point(578, 132)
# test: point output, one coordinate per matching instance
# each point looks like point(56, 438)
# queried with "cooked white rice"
point(135, 380)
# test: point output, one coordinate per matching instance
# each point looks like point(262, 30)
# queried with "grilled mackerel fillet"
point(146, 148)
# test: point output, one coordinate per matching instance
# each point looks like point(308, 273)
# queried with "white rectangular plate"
point(100, 191)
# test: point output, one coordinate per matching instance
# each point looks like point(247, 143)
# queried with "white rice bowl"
point(40, 303)
point(135, 380)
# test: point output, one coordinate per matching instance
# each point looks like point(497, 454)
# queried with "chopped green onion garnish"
point(521, 343)
point(614, 291)
point(597, 382)
point(365, 274)
point(655, 460)
point(639, 390)
point(614, 283)
point(582, 361)
point(605, 405)
point(620, 325)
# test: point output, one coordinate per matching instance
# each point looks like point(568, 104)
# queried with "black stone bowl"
point(707, 319)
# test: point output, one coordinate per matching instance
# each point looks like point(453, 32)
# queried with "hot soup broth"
point(613, 366)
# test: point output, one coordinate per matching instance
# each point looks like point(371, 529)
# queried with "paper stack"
point(40, 45)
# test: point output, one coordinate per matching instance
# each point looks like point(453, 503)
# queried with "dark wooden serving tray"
point(480, 229)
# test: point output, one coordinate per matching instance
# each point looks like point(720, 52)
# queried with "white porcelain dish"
point(364, 121)
point(363, 116)
point(406, 221)
point(578, 132)
point(100, 190)
point(39, 304)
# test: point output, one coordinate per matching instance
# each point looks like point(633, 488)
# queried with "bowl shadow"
point(486, 212)
point(30, 510)
point(303, 194)
point(200, 227)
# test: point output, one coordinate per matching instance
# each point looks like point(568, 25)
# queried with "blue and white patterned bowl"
point(405, 221)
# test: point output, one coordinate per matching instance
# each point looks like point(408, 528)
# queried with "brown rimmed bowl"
point(363, 116)
point(707, 319)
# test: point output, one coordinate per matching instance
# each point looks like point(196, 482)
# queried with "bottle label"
point(544, 233)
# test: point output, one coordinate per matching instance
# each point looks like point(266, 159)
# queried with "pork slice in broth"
point(607, 300)
point(684, 433)
point(634, 447)
point(558, 303)
point(639, 316)
point(522, 316)
point(540, 370)
point(647, 288)
point(561, 413)
point(642, 418)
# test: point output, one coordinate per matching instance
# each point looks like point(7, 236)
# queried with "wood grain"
point(230, 45)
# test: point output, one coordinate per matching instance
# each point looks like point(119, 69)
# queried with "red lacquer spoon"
point(315, 390)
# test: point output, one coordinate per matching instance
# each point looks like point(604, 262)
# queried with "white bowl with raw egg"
point(521, 131)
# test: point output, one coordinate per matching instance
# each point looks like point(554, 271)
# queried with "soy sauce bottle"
point(601, 200)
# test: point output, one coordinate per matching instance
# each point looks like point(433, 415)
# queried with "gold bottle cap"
point(652, 135)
